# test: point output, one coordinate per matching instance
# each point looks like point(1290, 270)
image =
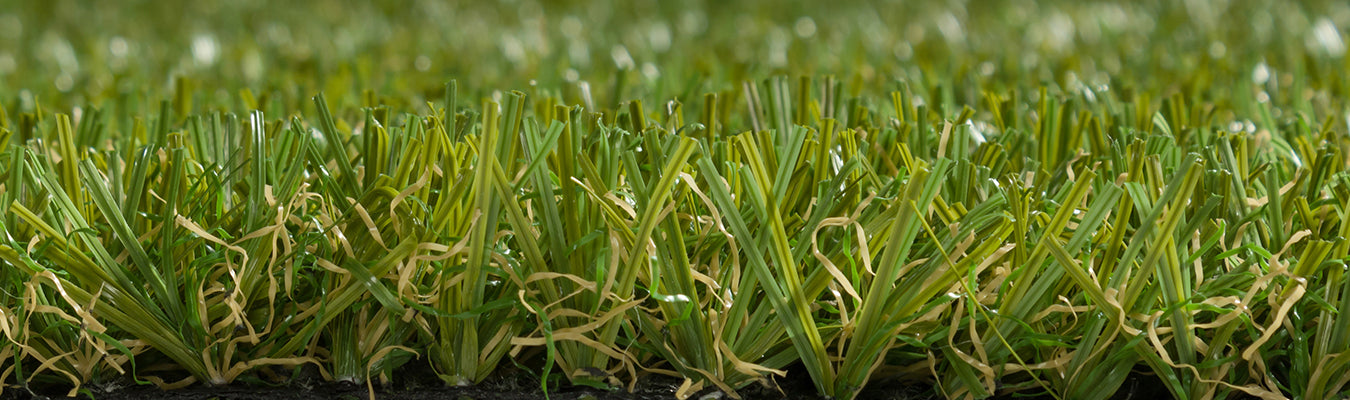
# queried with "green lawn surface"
point(991, 198)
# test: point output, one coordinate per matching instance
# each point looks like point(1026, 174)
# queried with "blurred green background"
point(67, 52)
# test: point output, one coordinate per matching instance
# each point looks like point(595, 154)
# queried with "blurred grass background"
point(68, 52)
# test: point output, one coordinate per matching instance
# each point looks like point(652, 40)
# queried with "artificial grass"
point(991, 215)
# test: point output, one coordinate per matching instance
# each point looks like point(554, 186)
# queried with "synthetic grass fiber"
point(1007, 198)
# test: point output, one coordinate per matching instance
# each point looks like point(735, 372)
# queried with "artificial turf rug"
point(675, 199)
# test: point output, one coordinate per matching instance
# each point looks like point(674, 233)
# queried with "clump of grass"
point(987, 215)
point(724, 257)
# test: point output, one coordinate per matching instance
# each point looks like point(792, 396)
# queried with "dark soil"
point(514, 384)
